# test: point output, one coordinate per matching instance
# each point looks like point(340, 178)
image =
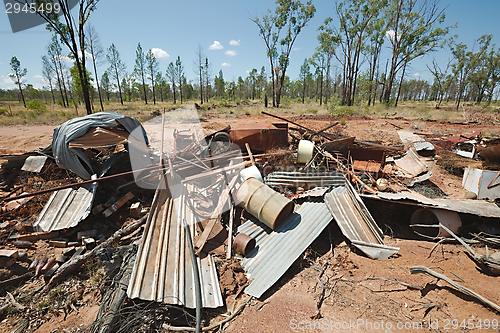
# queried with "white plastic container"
point(251, 172)
point(305, 151)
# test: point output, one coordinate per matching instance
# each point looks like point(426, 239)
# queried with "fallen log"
point(240, 308)
point(77, 261)
point(425, 270)
point(115, 296)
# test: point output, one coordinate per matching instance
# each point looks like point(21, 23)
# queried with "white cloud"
point(296, 48)
point(216, 46)
point(6, 83)
point(234, 42)
point(225, 64)
point(159, 53)
point(38, 77)
point(231, 53)
point(418, 74)
point(389, 34)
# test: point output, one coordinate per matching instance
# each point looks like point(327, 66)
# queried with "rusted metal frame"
point(294, 123)
point(249, 153)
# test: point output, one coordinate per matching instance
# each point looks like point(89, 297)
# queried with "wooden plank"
point(200, 243)
point(250, 153)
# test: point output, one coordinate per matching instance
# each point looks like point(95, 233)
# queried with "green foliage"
point(37, 106)
point(342, 121)
point(76, 83)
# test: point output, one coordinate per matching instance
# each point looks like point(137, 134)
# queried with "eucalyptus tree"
point(71, 32)
point(493, 65)
point(106, 84)
point(54, 53)
point(48, 73)
point(282, 28)
point(318, 60)
point(152, 68)
point(413, 31)
point(466, 63)
point(179, 69)
point(171, 75)
point(356, 26)
point(219, 84)
point(442, 80)
point(97, 55)
point(140, 69)
point(17, 75)
point(198, 69)
point(116, 68)
point(305, 72)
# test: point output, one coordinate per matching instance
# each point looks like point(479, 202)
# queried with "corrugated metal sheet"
point(304, 179)
point(66, 208)
point(356, 222)
point(34, 163)
point(477, 181)
point(412, 140)
point(163, 270)
point(276, 251)
point(315, 192)
point(467, 206)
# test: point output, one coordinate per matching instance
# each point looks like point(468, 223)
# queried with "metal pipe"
point(77, 184)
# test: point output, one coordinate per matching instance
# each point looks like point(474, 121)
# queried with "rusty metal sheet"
point(370, 160)
point(356, 222)
point(260, 136)
point(66, 208)
point(305, 179)
point(341, 145)
point(277, 250)
point(34, 163)
point(467, 206)
point(412, 140)
point(163, 270)
point(491, 154)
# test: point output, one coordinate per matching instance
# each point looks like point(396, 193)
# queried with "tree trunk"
point(154, 93)
point(119, 87)
point(321, 88)
point(97, 82)
point(21, 91)
point(400, 84)
point(144, 89)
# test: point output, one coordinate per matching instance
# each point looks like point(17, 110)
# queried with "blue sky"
point(178, 27)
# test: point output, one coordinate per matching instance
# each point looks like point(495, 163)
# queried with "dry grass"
point(414, 111)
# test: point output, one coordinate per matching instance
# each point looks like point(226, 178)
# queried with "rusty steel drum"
point(243, 243)
point(267, 205)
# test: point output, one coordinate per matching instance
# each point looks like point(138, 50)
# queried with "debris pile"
point(192, 221)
